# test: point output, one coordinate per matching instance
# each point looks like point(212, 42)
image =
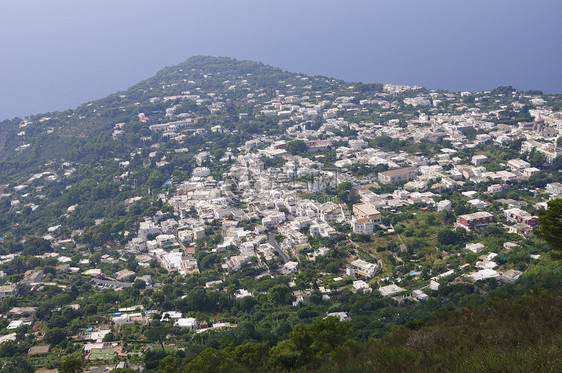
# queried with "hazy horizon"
point(60, 54)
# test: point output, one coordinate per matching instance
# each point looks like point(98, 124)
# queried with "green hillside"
point(507, 334)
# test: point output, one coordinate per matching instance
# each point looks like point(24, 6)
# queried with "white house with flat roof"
point(366, 210)
point(390, 290)
point(480, 159)
point(360, 267)
point(394, 176)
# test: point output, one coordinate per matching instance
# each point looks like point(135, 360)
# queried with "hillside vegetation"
point(507, 334)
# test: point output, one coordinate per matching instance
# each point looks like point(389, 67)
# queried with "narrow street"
point(272, 242)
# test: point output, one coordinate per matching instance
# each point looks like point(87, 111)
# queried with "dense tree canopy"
point(551, 226)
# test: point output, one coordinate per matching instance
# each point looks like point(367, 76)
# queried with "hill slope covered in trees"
point(506, 334)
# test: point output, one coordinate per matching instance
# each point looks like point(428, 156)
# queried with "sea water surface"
point(57, 54)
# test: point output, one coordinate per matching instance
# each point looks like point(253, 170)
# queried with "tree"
point(157, 332)
point(109, 337)
point(328, 333)
point(156, 179)
point(152, 358)
point(360, 237)
point(470, 133)
point(346, 194)
point(538, 179)
point(36, 246)
point(537, 159)
point(139, 284)
point(316, 297)
point(307, 346)
point(72, 364)
point(57, 322)
point(446, 237)
point(502, 89)
point(211, 360)
point(253, 357)
point(55, 336)
point(16, 365)
point(169, 364)
point(90, 309)
point(297, 147)
point(8, 349)
point(280, 294)
point(557, 162)
point(551, 226)
point(305, 277)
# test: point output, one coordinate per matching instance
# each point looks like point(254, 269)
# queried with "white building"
point(419, 294)
point(189, 323)
point(518, 164)
point(201, 172)
point(360, 267)
point(550, 150)
point(477, 203)
point(390, 290)
point(362, 225)
point(554, 188)
point(475, 247)
point(7, 291)
point(367, 211)
point(506, 175)
point(361, 285)
point(166, 240)
point(147, 228)
point(394, 176)
point(497, 188)
point(478, 160)
point(343, 316)
point(290, 267)
point(444, 205)
point(484, 274)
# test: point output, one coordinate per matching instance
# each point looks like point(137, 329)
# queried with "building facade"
point(394, 176)
point(476, 220)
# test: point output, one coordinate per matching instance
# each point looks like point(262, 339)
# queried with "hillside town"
point(398, 192)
